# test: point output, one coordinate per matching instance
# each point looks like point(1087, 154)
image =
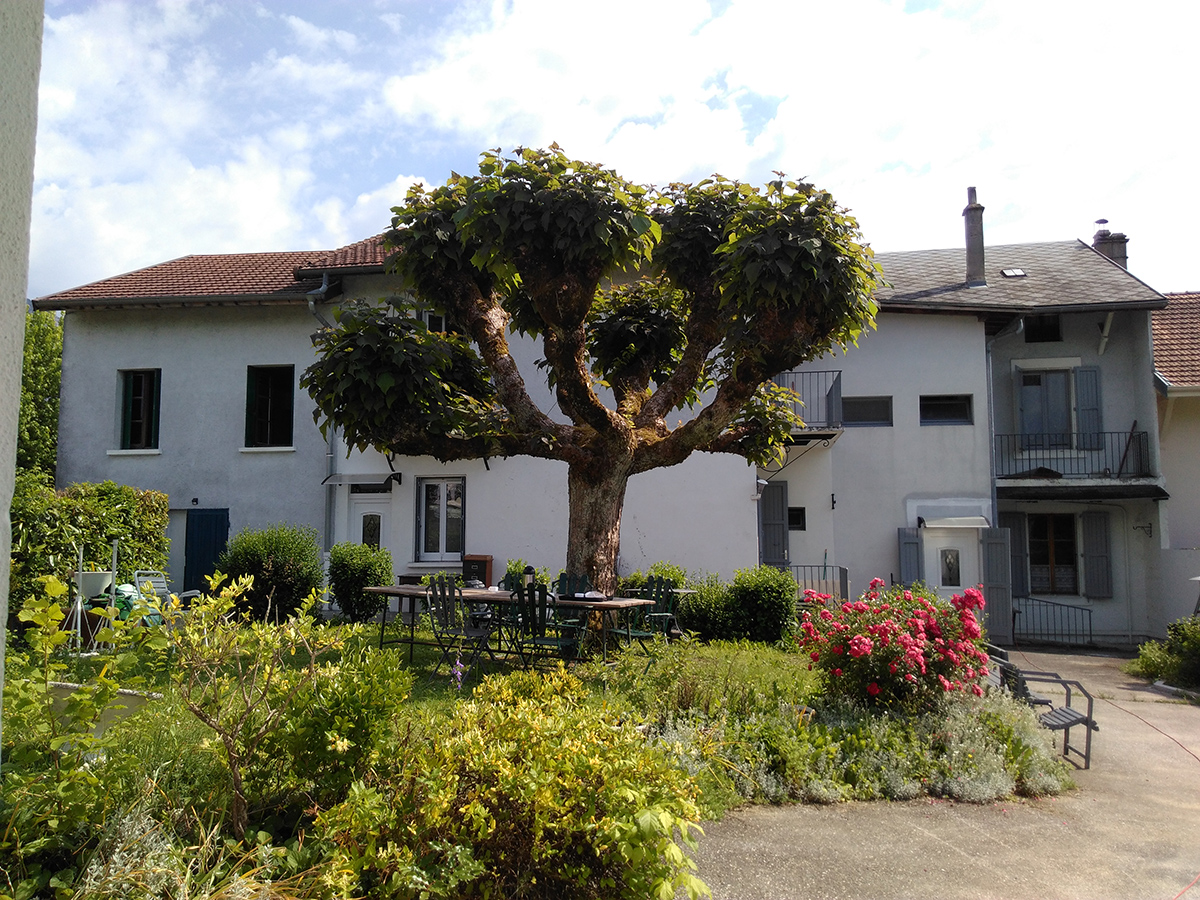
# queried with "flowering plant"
point(895, 647)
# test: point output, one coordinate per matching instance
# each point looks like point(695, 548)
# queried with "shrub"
point(353, 567)
point(636, 580)
point(761, 603)
point(525, 792)
point(1175, 660)
point(895, 648)
point(514, 574)
point(285, 562)
point(48, 527)
point(706, 612)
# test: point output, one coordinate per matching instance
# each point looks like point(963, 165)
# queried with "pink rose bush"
point(895, 647)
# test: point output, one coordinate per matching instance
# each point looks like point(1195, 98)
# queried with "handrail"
point(820, 393)
point(1047, 621)
point(824, 579)
point(1099, 455)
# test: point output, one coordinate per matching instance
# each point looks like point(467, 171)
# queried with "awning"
point(957, 522)
point(361, 478)
point(1117, 491)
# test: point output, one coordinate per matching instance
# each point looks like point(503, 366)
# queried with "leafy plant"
point(761, 603)
point(284, 562)
point(1175, 660)
point(706, 612)
point(353, 567)
point(895, 647)
point(41, 373)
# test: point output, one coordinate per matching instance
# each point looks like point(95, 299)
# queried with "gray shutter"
point(1087, 408)
point(1018, 544)
point(833, 402)
point(997, 586)
point(773, 536)
point(1019, 410)
point(912, 559)
point(1097, 556)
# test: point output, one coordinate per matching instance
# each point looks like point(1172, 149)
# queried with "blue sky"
point(209, 126)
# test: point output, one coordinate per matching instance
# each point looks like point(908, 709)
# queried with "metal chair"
point(453, 624)
point(646, 623)
point(538, 633)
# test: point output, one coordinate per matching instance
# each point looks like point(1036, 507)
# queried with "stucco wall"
point(1181, 468)
point(203, 355)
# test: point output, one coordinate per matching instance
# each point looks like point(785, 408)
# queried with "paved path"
point(1131, 830)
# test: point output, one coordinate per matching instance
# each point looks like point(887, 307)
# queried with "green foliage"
point(636, 581)
point(41, 372)
point(526, 791)
point(761, 603)
point(706, 613)
point(514, 573)
point(1175, 660)
point(353, 567)
point(635, 332)
point(49, 527)
point(285, 563)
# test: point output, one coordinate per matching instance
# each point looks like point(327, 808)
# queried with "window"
point(951, 572)
point(1052, 567)
point(946, 409)
point(440, 518)
point(797, 518)
point(139, 409)
point(1057, 406)
point(1043, 329)
point(858, 412)
point(270, 398)
point(372, 526)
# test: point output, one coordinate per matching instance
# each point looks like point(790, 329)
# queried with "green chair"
point(645, 623)
point(538, 635)
point(455, 626)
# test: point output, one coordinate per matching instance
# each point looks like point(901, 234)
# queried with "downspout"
point(1104, 334)
point(331, 434)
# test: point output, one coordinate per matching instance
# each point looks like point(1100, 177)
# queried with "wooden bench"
point(1003, 675)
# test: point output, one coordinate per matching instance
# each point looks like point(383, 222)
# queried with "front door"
point(204, 541)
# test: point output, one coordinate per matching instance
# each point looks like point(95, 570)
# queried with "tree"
point(41, 372)
point(690, 297)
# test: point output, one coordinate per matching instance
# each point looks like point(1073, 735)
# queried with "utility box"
point(477, 568)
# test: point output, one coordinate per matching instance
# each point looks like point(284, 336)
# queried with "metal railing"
point(1099, 454)
point(820, 395)
point(832, 580)
point(1035, 619)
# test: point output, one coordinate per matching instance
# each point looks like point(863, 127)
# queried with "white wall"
point(1181, 469)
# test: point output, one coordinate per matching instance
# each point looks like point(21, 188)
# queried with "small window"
point(372, 526)
point(1043, 329)
point(270, 399)
point(139, 409)
point(860, 412)
point(946, 409)
point(951, 571)
point(797, 518)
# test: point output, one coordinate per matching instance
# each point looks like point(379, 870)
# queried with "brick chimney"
point(1111, 245)
point(973, 215)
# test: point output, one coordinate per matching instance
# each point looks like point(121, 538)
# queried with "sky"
point(215, 126)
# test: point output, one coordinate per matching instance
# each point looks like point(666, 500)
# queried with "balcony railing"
point(832, 580)
point(1100, 454)
point(820, 395)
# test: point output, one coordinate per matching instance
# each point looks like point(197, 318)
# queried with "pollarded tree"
point(693, 298)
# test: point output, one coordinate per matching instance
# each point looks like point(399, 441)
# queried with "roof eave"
point(288, 299)
point(1022, 308)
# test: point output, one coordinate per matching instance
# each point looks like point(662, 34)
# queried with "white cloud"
point(321, 40)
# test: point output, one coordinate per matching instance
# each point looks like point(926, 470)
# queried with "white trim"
point(1049, 362)
point(266, 449)
point(147, 452)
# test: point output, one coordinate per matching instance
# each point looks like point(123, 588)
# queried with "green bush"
point(706, 612)
point(353, 567)
point(49, 527)
point(635, 581)
point(285, 562)
point(761, 603)
point(1175, 660)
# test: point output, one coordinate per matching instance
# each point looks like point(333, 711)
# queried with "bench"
point(1003, 675)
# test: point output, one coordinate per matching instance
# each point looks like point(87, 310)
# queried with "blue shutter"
point(912, 557)
point(1097, 556)
point(997, 583)
point(1018, 544)
point(773, 537)
point(1087, 408)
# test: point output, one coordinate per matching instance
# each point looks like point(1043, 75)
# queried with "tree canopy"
point(41, 372)
point(689, 298)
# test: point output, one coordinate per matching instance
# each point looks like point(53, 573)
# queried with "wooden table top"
point(483, 595)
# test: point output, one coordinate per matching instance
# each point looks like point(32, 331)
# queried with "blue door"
point(207, 533)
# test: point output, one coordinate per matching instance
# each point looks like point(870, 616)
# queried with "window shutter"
point(1018, 544)
point(251, 404)
point(126, 408)
point(1087, 408)
point(772, 508)
point(997, 583)
point(1019, 408)
point(152, 406)
point(912, 559)
point(1097, 556)
point(833, 402)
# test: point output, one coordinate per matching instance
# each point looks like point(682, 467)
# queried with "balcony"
point(820, 403)
point(1093, 465)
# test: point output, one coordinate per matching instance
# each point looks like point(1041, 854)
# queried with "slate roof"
point(1059, 275)
point(1177, 340)
point(204, 280)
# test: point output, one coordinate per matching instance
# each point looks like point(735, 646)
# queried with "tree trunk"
point(595, 502)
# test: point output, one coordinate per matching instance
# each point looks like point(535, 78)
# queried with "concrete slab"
point(1131, 830)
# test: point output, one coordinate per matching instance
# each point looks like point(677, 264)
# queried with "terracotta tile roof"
point(1177, 340)
point(1060, 274)
point(211, 278)
point(365, 254)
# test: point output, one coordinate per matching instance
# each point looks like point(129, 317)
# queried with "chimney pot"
point(1111, 244)
point(973, 216)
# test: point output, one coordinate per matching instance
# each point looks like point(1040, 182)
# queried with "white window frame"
point(442, 554)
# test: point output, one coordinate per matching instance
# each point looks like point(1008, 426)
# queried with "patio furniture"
point(151, 585)
point(643, 624)
point(455, 627)
point(538, 634)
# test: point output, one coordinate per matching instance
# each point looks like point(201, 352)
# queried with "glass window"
point(270, 399)
point(139, 409)
point(1052, 564)
point(372, 525)
point(440, 518)
point(1046, 408)
point(860, 412)
point(951, 573)
point(797, 518)
point(946, 409)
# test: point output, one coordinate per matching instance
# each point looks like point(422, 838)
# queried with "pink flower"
point(860, 645)
point(815, 656)
point(976, 690)
point(877, 583)
point(837, 672)
point(910, 677)
point(872, 689)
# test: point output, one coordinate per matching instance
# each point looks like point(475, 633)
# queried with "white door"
point(952, 560)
